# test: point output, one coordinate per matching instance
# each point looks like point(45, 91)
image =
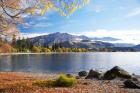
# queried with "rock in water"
point(82, 73)
point(132, 84)
point(117, 72)
point(93, 74)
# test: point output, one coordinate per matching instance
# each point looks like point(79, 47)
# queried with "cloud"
point(33, 24)
point(42, 25)
point(134, 12)
point(126, 36)
point(27, 24)
point(29, 35)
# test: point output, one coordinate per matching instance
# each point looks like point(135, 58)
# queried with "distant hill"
point(74, 41)
point(56, 38)
point(89, 45)
point(137, 47)
point(68, 40)
point(123, 45)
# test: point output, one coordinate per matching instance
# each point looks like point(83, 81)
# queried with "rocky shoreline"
point(115, 74)
point(116, 80)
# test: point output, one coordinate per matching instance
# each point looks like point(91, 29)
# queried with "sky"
point(100, 18)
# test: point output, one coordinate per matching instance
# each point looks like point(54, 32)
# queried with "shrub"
point(62, 81)
point(65, 81)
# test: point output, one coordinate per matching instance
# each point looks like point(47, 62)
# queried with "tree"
point(14, 40)
point(6, 48)
point(11, 11)
point(23, 45)
point(47, 50)
point(36, 49)
point(1, 41)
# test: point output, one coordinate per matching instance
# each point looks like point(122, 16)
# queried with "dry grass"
point(23, 83)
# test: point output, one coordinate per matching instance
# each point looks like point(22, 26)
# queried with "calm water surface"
point(70, 62)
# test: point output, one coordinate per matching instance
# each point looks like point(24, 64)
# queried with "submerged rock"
point(117, 72)
point(132, 84)
point(93, 74)
point(82, 73)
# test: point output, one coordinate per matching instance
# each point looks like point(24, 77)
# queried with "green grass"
point(62, 81)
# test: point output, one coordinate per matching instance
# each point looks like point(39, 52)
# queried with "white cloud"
point(134, 12)
point(27, 25)
point(42, 25)
point(126, 36)
point(29, 35)
point(36, 25)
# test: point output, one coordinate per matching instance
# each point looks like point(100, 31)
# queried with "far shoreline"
point(20, 53)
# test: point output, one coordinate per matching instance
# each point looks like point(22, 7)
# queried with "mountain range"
point(137, 47)
point(74, 41)
point(68, 40)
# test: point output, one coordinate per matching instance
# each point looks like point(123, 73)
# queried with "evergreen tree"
point(14, 40)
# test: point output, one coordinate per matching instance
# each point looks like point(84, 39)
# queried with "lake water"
point(70, 62)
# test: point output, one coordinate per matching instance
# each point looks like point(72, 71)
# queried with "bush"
point(65, 81)
point(62, 81)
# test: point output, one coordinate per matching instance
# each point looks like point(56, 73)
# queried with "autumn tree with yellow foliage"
point(12, 11)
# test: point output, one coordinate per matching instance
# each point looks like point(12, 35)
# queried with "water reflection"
point(69, 62)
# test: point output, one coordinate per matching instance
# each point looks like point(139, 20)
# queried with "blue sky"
point(100, 18)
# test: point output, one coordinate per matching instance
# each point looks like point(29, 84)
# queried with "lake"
point(70, 62)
